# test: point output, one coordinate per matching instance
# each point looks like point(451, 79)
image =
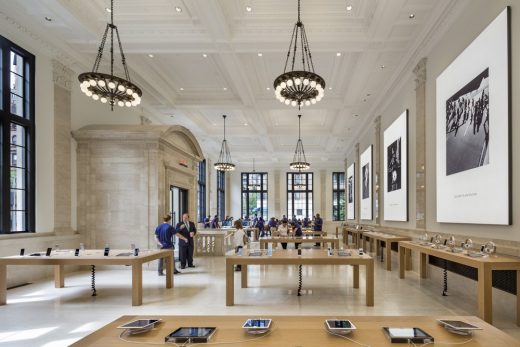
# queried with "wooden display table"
point(310, 232)
point(379, 238)
point(304, 331)
point(484, 265)
point(213, 242)
point(91, 257)
point(333, 241)
point(357, 236)
point(291, 257)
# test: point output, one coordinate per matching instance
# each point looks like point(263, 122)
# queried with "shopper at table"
point(240, 239)
point(164, 239)
point(283, 231)
point(297, 231)
point(207, 222)
point(214, 223)
point(260, 225)
point(187, 229)
point(318, 223)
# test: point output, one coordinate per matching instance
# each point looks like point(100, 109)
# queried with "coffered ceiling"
point(214, 57)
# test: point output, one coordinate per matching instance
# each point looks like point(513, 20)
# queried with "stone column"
point(323, 195)
point(420, 144)
point(357, 193)
point(276, 195)
point(376, 166)
point(62, 77)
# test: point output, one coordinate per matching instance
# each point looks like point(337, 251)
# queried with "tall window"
point(221, 194)
point(254, 194)
point(201, 192)
point(17, 159)
point(338, 196)
point(299, 195)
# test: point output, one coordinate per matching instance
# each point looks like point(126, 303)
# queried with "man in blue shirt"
point(318, 225)
point(164, 238)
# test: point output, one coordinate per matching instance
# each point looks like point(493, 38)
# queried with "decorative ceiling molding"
point(62, 75)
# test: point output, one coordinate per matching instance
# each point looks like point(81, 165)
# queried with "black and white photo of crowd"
point(467, 126)
point(366, 182)
point(394, 166)
point(350, 183)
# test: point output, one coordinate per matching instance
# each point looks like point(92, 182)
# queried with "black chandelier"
point(107, 87)
point(254, 185)
point(299, 161)
point(224, 159)
point(302, 87)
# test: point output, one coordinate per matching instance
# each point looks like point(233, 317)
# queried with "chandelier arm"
point(295, 46)
point(100, 50)
point(309, 48)
point(299, 9)
point(289, 51)
point(302, 30)
point(123, 59)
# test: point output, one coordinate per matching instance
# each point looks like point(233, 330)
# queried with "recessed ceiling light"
point(205, 55)
point(48, 19)
point(178, 9)
point(224, 88)
point(330, 88)
point(249, 8)
point(260, 54)
point(108, 9)
point(267, 88)
point(150, 55)
point(181, 88)
point(382, 66)
point(356, 115)
point(411, 16)
point(245, 124)
point(338, 54)
point(349, 7)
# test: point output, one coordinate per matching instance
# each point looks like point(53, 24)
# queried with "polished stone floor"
point(41, 315)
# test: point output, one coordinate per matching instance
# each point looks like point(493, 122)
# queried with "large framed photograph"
point(365, 182)
point(395, 175)
point(473, 131)
point(351, 192)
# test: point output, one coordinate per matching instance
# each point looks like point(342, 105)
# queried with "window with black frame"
point(201, 192)
point(221, 195)
point(338, 196)
point(254, 194)
point(300, 195)
point(17, 179)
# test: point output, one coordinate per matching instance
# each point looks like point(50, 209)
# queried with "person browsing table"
point(187, 229)
point(283, 230)
point(164, 239)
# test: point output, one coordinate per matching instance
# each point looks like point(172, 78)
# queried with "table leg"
point(485, 301)
point(518, 297)
point(378, 248)
point(356, 276)
point(370, 283)
point(169, 270)
point(137, 284)
point(402, 261)
point(388, 256)
point(365, 243)
point(230, 284)
point(408, 259)
point(59, 276)
point(3, 284)
point(244, 276)
point(424, 263)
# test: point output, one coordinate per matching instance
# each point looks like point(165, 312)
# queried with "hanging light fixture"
point(254, 185)
point(106, 87)
point(300, 87)
point(299, 161)
point(224, 159)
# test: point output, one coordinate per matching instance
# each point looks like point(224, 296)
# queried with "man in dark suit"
point(187, 229)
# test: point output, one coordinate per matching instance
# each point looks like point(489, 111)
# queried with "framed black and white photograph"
point(395, 159)
point(365, 174)
point(473, 131)
point(351, 193)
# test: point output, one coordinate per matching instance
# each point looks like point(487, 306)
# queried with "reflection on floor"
point(41, 315)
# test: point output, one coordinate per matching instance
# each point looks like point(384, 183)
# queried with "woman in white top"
point(283, 231)
point(239, 239)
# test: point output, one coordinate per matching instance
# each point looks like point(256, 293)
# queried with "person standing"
point(164, 238)
point(283, 231)
point(187, 229)
point(239, 238)
point(297, 230)
point(318, 225)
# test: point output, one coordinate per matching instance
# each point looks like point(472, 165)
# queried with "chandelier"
point(301, 87)
point(299, 161)
point(224, 159)
point(254, 185)
point(107, 87)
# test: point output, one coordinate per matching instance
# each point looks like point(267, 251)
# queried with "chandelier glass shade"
point(105, 87)
point(299, 160)
point(299, 87)
point(224, 162)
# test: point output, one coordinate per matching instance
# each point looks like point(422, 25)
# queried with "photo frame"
point(365, 184)
point(473, 131)
point(351, 192)
point(395, 170)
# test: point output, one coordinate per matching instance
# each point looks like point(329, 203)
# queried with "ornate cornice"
point(62, 75)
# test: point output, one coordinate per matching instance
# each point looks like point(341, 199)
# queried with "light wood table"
point(378, 238)
point(310, 232)
point(484, 265)
point(357, 236)
point(303, 331)
point(59, 259)
point(333, 241)
point(291, 257)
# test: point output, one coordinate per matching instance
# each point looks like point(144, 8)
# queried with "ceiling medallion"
point(224, 159)
point(302, 87)
point(299, 161)
point(107, 87)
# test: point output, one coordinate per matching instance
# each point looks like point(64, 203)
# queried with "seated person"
point(283, 231)
point(207, 222)
point(260, 225)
